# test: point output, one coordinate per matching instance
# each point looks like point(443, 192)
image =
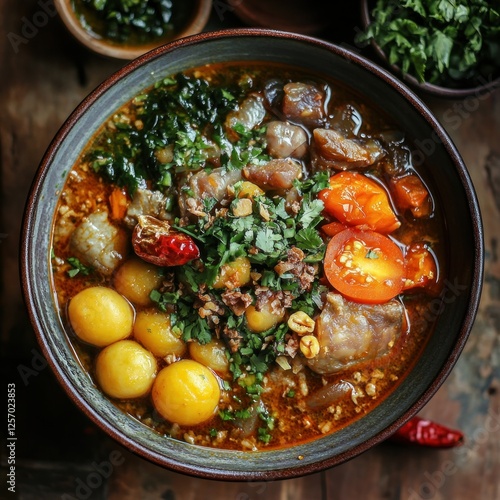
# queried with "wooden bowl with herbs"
point(126, 29)
point(440, 49)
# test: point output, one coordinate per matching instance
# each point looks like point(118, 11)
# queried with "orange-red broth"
point(285, 395)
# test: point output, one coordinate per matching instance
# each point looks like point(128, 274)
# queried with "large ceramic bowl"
point(454, 317)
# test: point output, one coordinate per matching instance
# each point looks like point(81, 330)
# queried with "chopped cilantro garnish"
point(77, 267)
point(371, 254)
point(264, 434)
point(185, 119)
point(440, 42)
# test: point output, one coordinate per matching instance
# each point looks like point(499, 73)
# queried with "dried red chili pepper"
point(420, 431)
point(156, 242)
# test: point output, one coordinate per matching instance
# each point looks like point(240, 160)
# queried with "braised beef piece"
point(350, 333)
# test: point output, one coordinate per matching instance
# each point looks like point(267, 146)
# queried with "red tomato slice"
point(364, 266)
point(356, 200)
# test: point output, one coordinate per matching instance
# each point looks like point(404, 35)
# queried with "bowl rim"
point(195, 24)
point(210, 472)
point(428, 88)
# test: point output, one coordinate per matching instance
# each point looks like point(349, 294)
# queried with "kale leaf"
point(174, 114)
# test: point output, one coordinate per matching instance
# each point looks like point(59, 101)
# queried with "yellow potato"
point(152, 330)
point(234, 274)
point(125, 370)
point(136, 279)
point(100, 316)
point(260, 321)
point(186, 393)
point(212, 354)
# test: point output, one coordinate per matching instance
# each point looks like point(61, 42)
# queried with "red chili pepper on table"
point(156, 242)
point(420, 431)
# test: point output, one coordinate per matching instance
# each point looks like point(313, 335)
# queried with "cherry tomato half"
point(364, 266)
point(421, 267)
point(356, 200)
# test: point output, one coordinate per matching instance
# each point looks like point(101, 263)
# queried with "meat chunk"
point(284, 140)
point(347, 119)
point(250, 113)
point(333, 150)
point(304, 102)
point(98, 243)
point(275, 174)
point(350, 333)
point(213, 184)
point(147, 202)
point(203, 184)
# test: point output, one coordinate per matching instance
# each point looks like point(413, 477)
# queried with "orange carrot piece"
point(118, 202)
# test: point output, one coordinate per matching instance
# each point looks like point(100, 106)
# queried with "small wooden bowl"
point(458, 92)
point(195, 24)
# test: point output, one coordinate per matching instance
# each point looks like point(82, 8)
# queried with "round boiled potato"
point(212, 354)
point(125, 370)
point(234, 274)
point(186, 393)
point(136, 279)
point(260, 321)
point(100, 316)
point(152, 330)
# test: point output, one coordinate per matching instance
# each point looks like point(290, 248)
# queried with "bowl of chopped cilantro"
point(449, 49)
point(125, 29)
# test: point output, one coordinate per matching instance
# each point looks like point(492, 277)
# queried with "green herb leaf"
point(77, 267)
point(438, 41)
point(308, 239)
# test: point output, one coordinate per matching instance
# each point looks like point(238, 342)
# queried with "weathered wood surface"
point(44, 74)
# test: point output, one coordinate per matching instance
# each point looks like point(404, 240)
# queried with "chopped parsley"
point(77, 267)
point(371, 254)
point(438, 41)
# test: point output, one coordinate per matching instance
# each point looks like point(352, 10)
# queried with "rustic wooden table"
point(59, 453)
